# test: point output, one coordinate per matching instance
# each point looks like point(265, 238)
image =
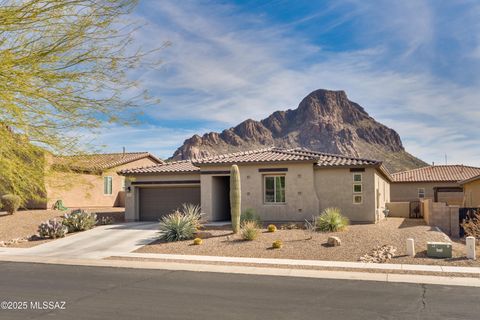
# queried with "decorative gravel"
point(24, 224)
point(301, 244)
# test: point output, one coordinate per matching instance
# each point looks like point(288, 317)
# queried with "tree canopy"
point(64, 68)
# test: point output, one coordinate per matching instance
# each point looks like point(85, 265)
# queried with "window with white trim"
point(357, 188)
point(421, 193)
point(274, 189)
point(107, 185)
point(357, 177)
point(357, 199)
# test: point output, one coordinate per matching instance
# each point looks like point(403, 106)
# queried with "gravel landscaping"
point(22, 225)
point(357, 241)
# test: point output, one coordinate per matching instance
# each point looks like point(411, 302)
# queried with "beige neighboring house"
point(471, 191)
point(92, 180)
point(440, 183)
point(279, 184)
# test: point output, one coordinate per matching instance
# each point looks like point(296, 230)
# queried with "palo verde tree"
point(64, 68)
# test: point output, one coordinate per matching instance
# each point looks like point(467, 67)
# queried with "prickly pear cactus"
point(235, 198)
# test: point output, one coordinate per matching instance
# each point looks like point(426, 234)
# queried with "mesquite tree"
point(235, 198)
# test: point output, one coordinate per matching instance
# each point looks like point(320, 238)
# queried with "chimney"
point(124, 151)
point(433, 163)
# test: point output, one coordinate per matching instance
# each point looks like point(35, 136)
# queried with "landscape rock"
point(334, 241)
point(380, 254)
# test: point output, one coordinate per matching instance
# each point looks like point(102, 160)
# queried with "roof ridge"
point(232, 154)
point(334, 154)
point(436, 166)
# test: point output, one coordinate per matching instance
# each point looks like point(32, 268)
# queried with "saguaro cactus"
point(235, 198)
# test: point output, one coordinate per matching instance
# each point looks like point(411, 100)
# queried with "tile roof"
point(266, 155)
point(475, 178)
point(166, 167)
point(100, 161)
point(445, 173)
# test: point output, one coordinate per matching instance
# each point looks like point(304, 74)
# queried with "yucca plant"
point(331, 220)
point(249, 230)
point(177, 226)
point(193, 212)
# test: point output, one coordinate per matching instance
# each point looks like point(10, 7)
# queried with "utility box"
point(439, 249)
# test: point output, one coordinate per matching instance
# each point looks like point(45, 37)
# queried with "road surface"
point(75, 292)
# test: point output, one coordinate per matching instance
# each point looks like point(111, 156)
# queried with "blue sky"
point(413, 65)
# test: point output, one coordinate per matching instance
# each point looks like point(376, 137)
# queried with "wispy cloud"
point(226, 66)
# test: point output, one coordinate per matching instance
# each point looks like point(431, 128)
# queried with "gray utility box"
point(439, 249)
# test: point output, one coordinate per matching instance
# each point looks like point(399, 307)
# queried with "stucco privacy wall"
point(132, 197)
point(408, 191)
point(86, 190)
point(383, 195)
point(472, 194)
point(334, 188)
point(301, 198)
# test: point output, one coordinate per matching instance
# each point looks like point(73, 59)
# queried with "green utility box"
point(439, 249)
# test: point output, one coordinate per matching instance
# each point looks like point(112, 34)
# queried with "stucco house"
point(279, 184)
point(471, 192)
point(440, 183)
point(92, 180)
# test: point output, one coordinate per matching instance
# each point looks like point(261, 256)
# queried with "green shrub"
point(277, 244)
point(250, 215)
point(249, 230)
point(331, 220)
point(178, 226)
point(10, 203)
point(52, 229)
point(271, 228)
point(79, 220)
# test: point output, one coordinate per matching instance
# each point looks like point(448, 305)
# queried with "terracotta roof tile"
point(266, 155)
point(447, 173)
point(101, 161)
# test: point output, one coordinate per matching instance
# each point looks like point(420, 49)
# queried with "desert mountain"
point(324, 121)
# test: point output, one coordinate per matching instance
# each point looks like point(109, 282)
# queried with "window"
point(107, 185)
point(357, 177)
point(357, 199)
point(421, 193)
point(357, 188)
point(274, 189)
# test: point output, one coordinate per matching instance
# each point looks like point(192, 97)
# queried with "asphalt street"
point(41, 291)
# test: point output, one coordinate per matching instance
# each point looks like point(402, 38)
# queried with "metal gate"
point(415, 211)
point(466, 214)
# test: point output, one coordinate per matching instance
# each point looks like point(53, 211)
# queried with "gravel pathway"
point(300, 244)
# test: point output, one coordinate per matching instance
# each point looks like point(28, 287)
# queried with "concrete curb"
point(307, 263)
point(320, 274)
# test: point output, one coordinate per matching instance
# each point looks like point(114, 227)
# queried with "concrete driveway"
point(98, 243)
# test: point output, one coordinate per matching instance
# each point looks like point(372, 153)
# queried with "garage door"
point(156, 202)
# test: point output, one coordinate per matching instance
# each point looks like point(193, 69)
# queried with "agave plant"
point(331, 220)
point(177, 226)
point(193, 212)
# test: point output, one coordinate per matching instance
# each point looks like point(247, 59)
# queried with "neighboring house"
point(471, 191)
point(92, 180)
point(279, 184)
point(438, 183)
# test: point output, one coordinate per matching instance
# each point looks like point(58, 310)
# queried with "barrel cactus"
point(235, 198)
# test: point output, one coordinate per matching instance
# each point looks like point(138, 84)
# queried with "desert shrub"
point(10, 203)
point(178, 226)
point(197, 241)
point(250, 215)
point(331, 220)
point(249, 230)
point(192, 212)
point(271, 228)
point(277, 244)
point(79, 220)
point(472, 226)
point(105, 220)
point(52, 229)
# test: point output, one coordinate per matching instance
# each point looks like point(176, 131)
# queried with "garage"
point(156, 202)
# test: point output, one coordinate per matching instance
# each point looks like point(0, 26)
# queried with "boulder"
point(334, 241)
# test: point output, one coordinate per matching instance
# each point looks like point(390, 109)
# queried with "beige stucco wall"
point(472, 194)
point(399, 209)
point(132, 197)
point(334, 188)
point(86, 190)
point(408, 191)
point(382, 190)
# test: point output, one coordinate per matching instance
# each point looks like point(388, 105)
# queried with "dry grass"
point(300, 244)
point(24, 224)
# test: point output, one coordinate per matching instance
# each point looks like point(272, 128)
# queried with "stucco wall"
point(399, 209)
point(334, 187)
point(472, 194)
point(86, 190)
point(301, 199)
point(408, 191)
point(382, 190)
point(132, 197)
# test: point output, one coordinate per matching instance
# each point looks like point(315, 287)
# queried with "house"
point(92, 180)
point(279, 184)
point(471, 192)
point(440, 183)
